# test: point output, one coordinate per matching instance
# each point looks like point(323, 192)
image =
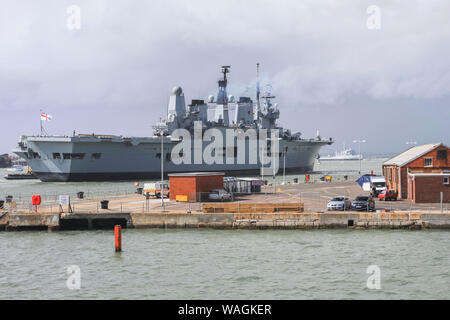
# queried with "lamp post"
point(160, 128)
point(284, 164)
point(359, 146)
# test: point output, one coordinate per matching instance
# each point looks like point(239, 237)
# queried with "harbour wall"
point(283, 220)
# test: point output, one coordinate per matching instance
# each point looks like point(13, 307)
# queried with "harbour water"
point(221, 264)
point(226, 264)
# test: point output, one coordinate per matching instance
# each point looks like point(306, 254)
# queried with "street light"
point(160, 128)
point(359, 144)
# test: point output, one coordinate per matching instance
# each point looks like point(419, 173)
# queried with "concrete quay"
point(16, 221)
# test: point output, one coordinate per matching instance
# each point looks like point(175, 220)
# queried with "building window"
point(36, 155)
point(158, 155)
point(56, 155)
point(446, 180)
point(96, 156)
point(428, 162)
point(442, 154)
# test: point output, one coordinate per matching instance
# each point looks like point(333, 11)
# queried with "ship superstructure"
point(90, 157)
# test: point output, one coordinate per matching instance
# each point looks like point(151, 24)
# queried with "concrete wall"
point(283, 220)
point(33, 220)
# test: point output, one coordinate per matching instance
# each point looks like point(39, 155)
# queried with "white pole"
point(162, 170)
point(359, 156)
point(284, 166)
point(40, 113)
point(273, 171)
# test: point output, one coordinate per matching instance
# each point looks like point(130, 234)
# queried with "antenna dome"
point(230, 98)
point(211, 99)
point(177, 90)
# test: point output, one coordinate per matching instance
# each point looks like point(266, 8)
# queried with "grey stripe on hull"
point(125, 176)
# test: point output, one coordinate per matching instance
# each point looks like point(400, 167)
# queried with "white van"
point(154, 189)
point(379, 182)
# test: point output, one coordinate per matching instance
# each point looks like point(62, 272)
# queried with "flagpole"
point(40, 117)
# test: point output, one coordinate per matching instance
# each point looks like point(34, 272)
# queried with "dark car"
point(363, 203)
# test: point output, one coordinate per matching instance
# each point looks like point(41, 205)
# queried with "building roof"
point(411, 154)
point(429, 174)
point(196, 174)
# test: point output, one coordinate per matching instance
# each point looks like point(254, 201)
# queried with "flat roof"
point(195, 174)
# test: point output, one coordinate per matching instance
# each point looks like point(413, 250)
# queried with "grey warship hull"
point(98, 158)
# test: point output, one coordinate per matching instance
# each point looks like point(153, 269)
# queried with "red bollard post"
point(118, 237)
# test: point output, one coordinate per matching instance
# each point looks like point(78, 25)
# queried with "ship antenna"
point(257, 88)
point(225, 70)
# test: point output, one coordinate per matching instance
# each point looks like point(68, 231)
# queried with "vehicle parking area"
point(316, 196)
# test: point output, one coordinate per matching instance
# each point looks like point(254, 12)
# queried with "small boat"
point(17, 168)
point(16, 172)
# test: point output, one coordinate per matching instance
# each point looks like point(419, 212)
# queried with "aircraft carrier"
point(90, 157)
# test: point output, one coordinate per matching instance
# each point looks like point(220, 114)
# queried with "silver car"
point(219, 195)
point(339, 203)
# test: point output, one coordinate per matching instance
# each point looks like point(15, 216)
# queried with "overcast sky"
point(329, 71)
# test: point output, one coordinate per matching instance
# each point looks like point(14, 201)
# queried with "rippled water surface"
point(219, 264)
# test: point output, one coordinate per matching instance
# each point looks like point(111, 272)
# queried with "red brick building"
point(425, 159)
point(427, 187)
point(187, 186)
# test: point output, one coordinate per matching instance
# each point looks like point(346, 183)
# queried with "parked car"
point(366, 203)
point(388, 195)
point(339, 203)
point(219, 195)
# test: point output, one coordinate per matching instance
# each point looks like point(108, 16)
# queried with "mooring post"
point(118, 237)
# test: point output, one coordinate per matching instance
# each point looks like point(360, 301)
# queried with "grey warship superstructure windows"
point(96, 156)
point(56, 155)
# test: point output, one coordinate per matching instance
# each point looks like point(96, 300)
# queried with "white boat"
point(17, 168)
point(345, 154)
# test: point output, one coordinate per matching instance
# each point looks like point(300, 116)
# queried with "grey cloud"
point(319, 57)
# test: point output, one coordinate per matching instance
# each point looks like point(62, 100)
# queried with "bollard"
point(118, 237)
